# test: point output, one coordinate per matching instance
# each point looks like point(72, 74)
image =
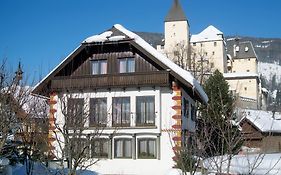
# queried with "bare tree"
point(21, 119)
point(195, 61)
point(73, 138)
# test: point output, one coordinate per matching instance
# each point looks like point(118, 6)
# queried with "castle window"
point(194, 44)
point(99, 67)
point(126, 65)
point(215, 44)
point(248, 70)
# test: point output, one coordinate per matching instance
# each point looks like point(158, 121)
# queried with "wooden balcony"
point(124, 80)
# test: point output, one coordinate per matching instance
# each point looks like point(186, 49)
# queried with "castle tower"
point(176, 28)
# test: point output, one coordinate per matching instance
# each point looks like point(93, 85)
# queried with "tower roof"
point(176, 13)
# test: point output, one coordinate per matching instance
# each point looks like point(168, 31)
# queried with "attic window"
point(246, 49)
point(126, 65)
point(99, 67)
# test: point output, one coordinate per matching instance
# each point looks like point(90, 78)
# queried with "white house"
point(144, 102)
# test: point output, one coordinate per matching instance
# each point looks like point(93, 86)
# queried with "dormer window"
point(126, 65)
point(99, 67)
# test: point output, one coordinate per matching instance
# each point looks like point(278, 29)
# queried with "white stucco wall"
point(245, 65)
point(213, 51)
point(176, 32)
point(163, 121)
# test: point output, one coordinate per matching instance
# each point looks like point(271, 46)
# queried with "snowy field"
point(269, 69)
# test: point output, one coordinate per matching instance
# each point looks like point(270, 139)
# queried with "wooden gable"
point(75, 73)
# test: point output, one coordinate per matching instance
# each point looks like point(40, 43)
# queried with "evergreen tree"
point(216, 130)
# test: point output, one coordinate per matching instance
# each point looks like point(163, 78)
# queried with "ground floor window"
point(99, 148)
point(123, 148)
point(147, 148)
point(78, 147)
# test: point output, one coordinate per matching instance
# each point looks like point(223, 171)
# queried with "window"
point(126, 65)
point(213, 52)
point(121, 111)
point(245, 88)
point(176, 53)
point(145, 110)
point(185, 107)
point(194, 44)
point(193, 113)
point(146, 148)
point(74, 116)
point(99, 148)
point(248, 70)
point(98, 111)
point(215, 44)
point(123, 148)
point(79, 146)
point(99, 67)
point(212, 65)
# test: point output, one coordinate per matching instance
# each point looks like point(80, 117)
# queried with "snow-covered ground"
point(268, 70)
point(258, 164)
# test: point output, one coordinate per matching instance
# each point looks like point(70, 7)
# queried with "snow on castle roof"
point(209, 34)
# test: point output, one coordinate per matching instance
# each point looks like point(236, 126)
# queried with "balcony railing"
point(158, 78)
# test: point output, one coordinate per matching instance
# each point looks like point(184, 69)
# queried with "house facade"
point(142, 102)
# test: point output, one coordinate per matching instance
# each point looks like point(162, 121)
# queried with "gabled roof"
point(241, 50)
point(209, 34)
point(176, 13)
point(263, 120)
point(118, 34)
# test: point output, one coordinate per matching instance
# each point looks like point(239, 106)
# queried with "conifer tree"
point(217, 133)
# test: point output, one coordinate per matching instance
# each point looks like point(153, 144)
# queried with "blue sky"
point(41, 33)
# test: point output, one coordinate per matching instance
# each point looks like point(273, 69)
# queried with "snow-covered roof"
point(240, 75)
point(264, 120)
point(209, 34)
point(108, 37)
point(245, 164)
